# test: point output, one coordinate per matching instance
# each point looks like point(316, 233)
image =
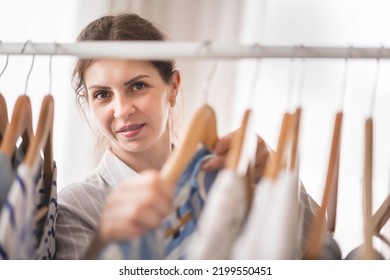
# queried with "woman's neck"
point(152, 158)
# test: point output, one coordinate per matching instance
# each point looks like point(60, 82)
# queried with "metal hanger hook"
point(206, 45)
point(291, 75)
point(24, 46)
point(376, 79)
point(50, 68)
point(5, 66)
point(32, 64)
point(303, 72)
point(6, 63)
point(257, 73)
point(346, 70)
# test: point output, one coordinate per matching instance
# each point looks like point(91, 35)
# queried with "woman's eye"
point(138, 86)
point(102, 94)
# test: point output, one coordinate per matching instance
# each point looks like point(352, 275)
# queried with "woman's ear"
point(175, 84)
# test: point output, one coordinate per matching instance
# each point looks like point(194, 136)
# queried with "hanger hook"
point(206, 45)
point(256, 74)
point(50, 67)
point(346, 70)
point(6, 63)
point(376, 79)
point(303, 71)
point(5, 66)
point(24, 46)
point(32, 64)
point(291, 75)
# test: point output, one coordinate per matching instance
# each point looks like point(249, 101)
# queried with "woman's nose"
point(123, 107)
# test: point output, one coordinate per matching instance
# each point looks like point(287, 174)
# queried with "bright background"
point(278, 22)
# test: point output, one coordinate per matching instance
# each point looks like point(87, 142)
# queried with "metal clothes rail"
point(158, 50)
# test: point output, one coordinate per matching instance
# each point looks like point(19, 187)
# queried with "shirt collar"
point(113, 170)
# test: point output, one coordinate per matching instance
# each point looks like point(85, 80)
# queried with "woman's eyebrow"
point(97, 86)
point(135, 79)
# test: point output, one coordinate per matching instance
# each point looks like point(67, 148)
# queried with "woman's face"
point(130, 102)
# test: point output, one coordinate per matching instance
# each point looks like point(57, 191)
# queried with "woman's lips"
point(132, 130)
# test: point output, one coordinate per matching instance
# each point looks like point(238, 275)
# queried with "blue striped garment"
point(17, 239)
point(18, 228)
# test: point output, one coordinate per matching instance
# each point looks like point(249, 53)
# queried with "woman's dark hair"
point(121, 27)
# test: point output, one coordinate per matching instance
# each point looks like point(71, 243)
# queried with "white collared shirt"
point(80, 206)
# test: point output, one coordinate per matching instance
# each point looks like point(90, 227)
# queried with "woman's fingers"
point(135, 207)
point(221, 151)
point(262, 154)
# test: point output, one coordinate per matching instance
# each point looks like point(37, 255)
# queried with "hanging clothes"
point(16, 219)
point(8, 172)
point(274, 228)
point(18, 236)
point(46, 226)
point(222, 218)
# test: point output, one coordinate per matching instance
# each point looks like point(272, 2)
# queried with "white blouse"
point(80, 206)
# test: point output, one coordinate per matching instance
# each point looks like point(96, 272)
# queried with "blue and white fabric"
point(190, 193)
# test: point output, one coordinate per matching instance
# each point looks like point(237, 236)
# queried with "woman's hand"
point(222, 148)
point(135, 207)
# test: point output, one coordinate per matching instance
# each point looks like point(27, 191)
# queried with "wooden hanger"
point(279, 158)
point(3, 117)
point(43, 141)
point(19, 125)
point(329, 199)
point(241, 156)
point(367, 251)
point(367, 189)
point(286, 155)
point(242, 152)
point(201, 130)
point(296, 121)
point(381, 216)
point(237, 144)
point(3, 108)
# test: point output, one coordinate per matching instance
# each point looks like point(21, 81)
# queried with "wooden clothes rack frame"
point(158, 50)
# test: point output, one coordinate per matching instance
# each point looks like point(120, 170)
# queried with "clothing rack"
point(157, 50)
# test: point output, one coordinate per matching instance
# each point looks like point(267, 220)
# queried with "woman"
point(131, 102)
